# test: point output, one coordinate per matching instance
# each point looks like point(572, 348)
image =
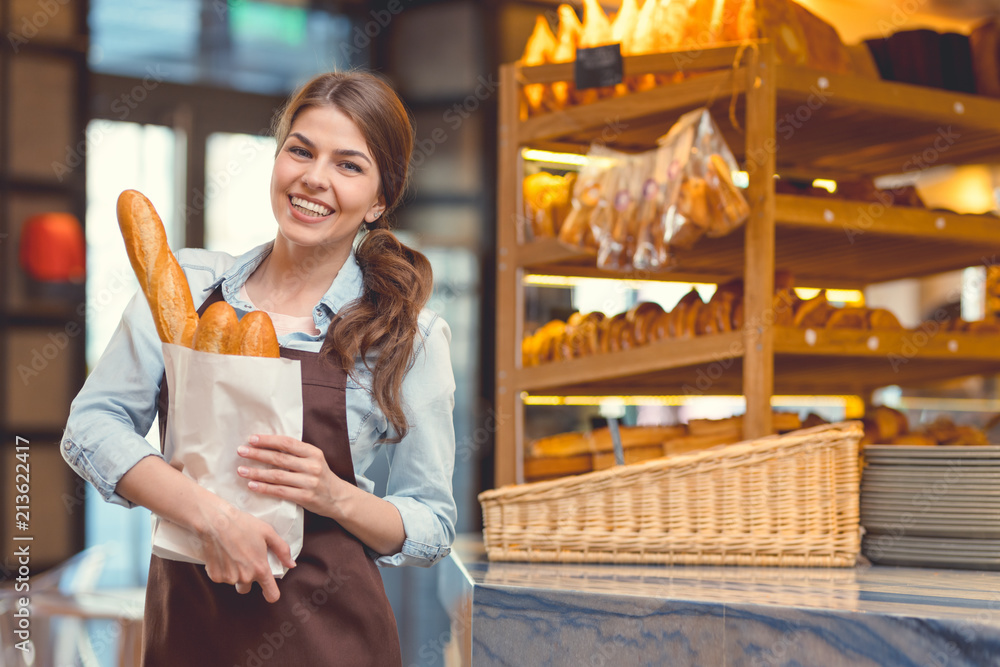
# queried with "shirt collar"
point(346, 287)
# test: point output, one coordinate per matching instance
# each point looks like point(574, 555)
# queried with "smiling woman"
point(376, 380)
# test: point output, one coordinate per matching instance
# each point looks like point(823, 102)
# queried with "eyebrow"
point(349, 152)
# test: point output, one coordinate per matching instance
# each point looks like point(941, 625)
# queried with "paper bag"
point(217, 401)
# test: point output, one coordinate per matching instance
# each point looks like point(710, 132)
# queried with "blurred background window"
point(260, 47)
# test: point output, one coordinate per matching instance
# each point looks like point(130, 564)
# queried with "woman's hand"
point(300, 473)
point(235, 546)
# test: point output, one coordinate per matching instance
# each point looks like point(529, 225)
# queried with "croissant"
point(539, 50)
point(596, 26)
point(623, 32)
point(624, 26)
point(566, 40)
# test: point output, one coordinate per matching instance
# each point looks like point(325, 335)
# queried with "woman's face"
point(324, 183)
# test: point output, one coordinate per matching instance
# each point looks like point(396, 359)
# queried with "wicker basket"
point(788, 500)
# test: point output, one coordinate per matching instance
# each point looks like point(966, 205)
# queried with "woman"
point(376, 377)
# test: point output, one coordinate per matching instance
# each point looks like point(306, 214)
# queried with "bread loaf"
point(256, 336)
point(160, 276)
point(218, 330)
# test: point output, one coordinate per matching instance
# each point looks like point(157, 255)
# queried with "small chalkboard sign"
point(598, 67)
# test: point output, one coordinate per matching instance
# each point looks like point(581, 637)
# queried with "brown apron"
point(333, 609)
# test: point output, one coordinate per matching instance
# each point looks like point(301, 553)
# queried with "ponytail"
point(397, 283)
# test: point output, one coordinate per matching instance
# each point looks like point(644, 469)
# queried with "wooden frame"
point(857, 127)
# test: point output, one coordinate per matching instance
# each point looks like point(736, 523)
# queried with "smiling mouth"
point(310, 208)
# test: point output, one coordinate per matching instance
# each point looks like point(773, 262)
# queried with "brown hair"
point(397, 279)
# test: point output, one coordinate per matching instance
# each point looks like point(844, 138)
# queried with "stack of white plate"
point(931, 506)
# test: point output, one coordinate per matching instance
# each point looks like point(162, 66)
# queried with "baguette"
point(160, 276)
point(256, 336)
point(218, 330)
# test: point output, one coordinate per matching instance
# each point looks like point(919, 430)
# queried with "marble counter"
point(524, 614)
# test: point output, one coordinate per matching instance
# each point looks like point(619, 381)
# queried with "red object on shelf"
point(53, 248)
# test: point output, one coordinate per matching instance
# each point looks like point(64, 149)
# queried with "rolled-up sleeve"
point(422, 463)
point(104, 434)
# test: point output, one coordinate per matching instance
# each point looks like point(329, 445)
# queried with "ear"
point(375, 211)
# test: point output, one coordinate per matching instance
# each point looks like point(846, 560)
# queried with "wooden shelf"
point(822, 242)
point(794, 122)
point(840, 361)
point(826, 123)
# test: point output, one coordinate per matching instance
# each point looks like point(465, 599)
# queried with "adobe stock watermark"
point(29, 27)
point(221, 179)
point(919, 338)
point(468, 446)
point(41, 356)
point(786, 126)
point(123, 105)
point(454, 117)
point(914, 165)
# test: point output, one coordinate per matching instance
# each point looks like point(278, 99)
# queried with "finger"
point(266, 581)
point(273, 476)
point(280, 549)
point(283, 443)
point(271, 457)
point(243, 589)
point(295, 495)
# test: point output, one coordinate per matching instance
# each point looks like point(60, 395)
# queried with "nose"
point(314, 178)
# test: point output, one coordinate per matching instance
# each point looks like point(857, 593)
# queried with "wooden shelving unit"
point(794, 121)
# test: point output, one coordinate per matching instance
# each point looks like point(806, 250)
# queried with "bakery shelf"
point(806, 361)
point(826, 123)
point(822, 242)
point(790, 121)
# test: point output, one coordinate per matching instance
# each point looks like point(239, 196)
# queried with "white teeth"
point(318, 209)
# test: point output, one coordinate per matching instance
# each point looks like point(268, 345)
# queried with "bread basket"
point(784, 500)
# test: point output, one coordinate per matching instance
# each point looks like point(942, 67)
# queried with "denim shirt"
point(104, 435)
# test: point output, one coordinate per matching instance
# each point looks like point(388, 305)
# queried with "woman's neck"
point(292, 279)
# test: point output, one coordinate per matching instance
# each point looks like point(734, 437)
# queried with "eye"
point(299, 151)
point(352, 166)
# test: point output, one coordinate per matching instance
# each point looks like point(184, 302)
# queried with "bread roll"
point(256, 336)
point(661, 327)
point(218, 330)
point(160, 276)
point(641, 317)
point(918, 439)
point(705, 322)
point(881, 319)
point(813, 313)
point(724, 301)
point(784, 303)
point(848, 318)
